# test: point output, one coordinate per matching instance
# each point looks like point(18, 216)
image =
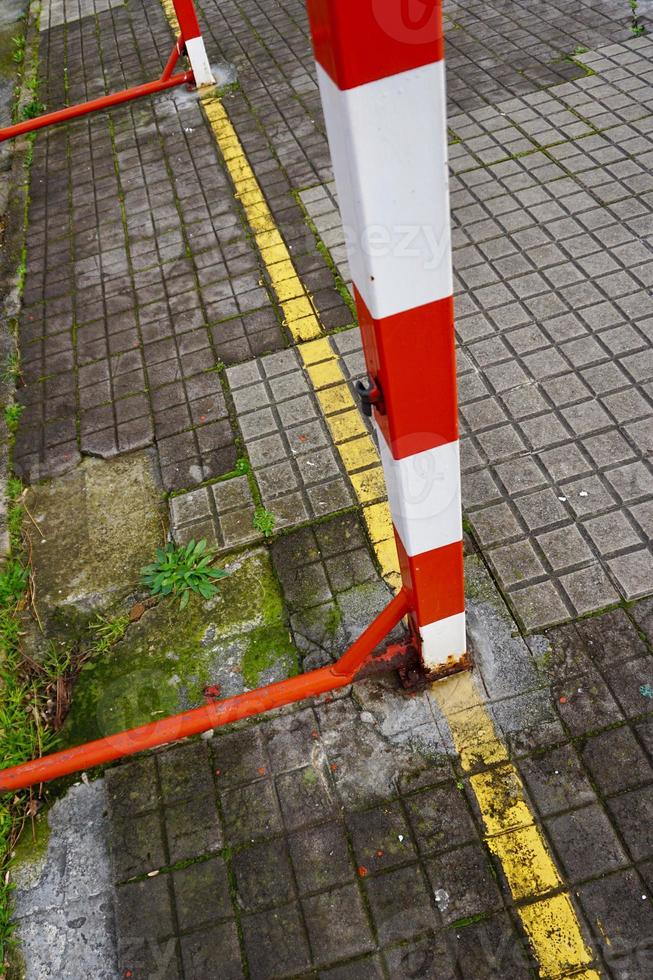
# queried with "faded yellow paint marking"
point(295, 301)
point(358, 454)
point(513, 836)
point(346, 426)
point(299, 312)
point(356, 449)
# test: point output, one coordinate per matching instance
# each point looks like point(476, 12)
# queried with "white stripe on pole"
point(199, 62)
point(388, 142)
point(424, 495)
point(444, 635)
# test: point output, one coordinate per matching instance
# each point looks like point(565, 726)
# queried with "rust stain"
point(452, 665)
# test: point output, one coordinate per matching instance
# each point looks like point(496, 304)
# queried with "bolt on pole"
point(380, 68)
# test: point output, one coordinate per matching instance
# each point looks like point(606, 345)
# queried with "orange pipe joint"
point(213, 715)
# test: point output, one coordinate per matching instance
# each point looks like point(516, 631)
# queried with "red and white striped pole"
point(191, 36)
point(380, 67)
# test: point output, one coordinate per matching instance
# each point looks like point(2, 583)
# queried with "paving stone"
point(588, 586)
point(429, 957)
point(192, 829)
point(626, 682)
point(632, 572)
point(239, 757)
point(556, 779)
point(305, 796)
point(263, 876)
point(130, 787)
point(136, 844)
point(381, 837)
point(614, 907)
point(291, 740)
point(144, 908)
point(184, 773)
point(331, 935)
point(147, 957)
point(250, 812)
point(320, 857)
point(586, 843)
point(218, 943)
point(539, 605)
point(463, 883)
point(615, 761)
point(440, 819)
point(630, 814)
point(389, 896)
point(585, 703)
point(491, 949)
point(367, 968)
point(201, 893)
point(275, 942)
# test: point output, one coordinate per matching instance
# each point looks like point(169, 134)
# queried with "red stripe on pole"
point(434, 581)
point(360, 41)
point(412, 357)
point(187, 19)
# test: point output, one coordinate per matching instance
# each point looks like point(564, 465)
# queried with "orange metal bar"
point(105, 102)
point(173, 59)
point(213, 715)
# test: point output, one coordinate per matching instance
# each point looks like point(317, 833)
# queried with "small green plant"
point(106, 632)
point(57, 660)
point(13, 582)
point(33, 108)
point(14, 488)
point(242, 465)
point(636, 26)
point(12, 367)
point(264, 521)
point(18, 54)
point(180, 571)
point(13, 413)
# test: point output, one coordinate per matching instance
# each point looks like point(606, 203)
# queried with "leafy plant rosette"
point(180, 571)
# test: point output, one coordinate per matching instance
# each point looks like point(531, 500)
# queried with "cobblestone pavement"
point(331, 841)
point(349, 837)
point(551, 204)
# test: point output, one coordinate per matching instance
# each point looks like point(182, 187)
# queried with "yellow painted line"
point(357, 451)
point(299, 311)
point(512, 835)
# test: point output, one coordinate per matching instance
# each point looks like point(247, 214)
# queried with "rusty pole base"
point(413, 673)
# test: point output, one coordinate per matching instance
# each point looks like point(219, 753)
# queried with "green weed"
point(11, 371)
point(33, 108)
point(636, 26)
point(18, 54)
point(180, 571)
point(264, 521)
point(106, 632)
point(13, 413)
